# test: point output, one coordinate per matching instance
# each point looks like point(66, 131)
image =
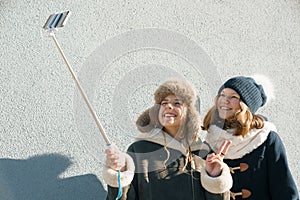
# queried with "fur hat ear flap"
point(192, 129)
point(149, 119)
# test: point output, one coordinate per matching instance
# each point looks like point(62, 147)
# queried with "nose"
point(170, 105)
point(227, 99)
point(224, 99)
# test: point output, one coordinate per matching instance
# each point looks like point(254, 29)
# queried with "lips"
point(169, 115)
point(225, 108)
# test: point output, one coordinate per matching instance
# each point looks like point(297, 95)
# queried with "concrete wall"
point(120, 50)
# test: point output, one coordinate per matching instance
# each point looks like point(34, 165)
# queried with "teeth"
point(224, 108)
point(169, 115)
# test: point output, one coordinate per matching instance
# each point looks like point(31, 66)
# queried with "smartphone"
point(57, 20)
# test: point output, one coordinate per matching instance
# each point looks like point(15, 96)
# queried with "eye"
point(163, 103)
point(235, 98)
point(222, 96)
point(177, 104)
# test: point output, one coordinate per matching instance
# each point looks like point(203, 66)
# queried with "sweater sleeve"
point(217, 185)
point(281, 182)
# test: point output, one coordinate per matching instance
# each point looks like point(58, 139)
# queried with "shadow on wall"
point(37, 178)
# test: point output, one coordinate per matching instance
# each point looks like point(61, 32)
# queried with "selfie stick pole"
point(52, 35)
point(58, 20)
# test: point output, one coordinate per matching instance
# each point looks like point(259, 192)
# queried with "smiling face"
point(228, 103)
point(171, 114)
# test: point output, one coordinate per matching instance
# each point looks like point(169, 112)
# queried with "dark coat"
point(268, 176)
point(156, 180)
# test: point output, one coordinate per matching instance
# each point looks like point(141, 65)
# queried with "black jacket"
point(268, 176)
point(159, 176)
point(264, 172)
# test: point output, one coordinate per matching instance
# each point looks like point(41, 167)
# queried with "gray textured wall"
point(50, 146)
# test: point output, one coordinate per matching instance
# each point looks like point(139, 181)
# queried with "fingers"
point(214, 164)
point(112, 162)
point(112, 151)
point(214, 161)
point(211, 158)
point(221, 151)
point(111, 148)
point(224, 147)
point(112, 155)
point(115, 159)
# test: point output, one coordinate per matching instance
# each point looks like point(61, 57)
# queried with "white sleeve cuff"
point(218, 184)
point(110, 176)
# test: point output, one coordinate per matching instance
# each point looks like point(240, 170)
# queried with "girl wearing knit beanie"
point(257, 156)
point(164, 162)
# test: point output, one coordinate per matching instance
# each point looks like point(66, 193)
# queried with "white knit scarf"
point(240, 145)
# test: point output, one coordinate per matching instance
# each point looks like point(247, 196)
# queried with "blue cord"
point(119, 186)
point(119, 180)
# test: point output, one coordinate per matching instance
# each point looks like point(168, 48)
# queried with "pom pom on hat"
point(267, 85)
point(252, 90)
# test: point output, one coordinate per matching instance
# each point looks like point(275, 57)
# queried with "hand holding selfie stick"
point(58, 20)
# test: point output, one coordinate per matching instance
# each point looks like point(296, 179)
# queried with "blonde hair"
point(242, 122)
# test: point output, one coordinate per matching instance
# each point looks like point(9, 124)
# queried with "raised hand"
point(214, 162)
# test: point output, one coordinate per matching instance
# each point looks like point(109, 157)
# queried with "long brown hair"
point(242, 122)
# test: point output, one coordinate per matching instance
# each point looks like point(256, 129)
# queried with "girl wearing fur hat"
point(257, 156)
point(165, 160)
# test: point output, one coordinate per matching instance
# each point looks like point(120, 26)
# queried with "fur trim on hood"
point(156, 136)
point(183, 89)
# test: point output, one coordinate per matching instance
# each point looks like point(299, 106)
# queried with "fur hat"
point(251, 93)
point(187, 93)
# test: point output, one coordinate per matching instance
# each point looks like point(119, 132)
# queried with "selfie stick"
point(58, 20)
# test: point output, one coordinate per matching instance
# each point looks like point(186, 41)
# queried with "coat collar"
point(240, 145)
point(156, 135)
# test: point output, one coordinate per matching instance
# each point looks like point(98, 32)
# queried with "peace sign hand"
point(214, 162)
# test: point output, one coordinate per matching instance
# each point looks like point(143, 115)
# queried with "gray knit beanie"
point(252, 94)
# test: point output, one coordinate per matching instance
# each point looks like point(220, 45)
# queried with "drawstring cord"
point(119, 186)
point(167, 151)
point(189, 158)
point(119, 195)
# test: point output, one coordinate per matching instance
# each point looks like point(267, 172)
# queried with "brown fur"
point(187, 93)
